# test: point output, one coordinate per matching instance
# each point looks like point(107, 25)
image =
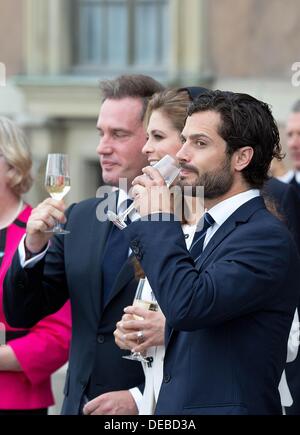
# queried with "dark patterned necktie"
point(197, 245)
point(294, 183)
point(116, 254)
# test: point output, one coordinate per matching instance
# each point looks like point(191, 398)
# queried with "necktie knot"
point(208, 221)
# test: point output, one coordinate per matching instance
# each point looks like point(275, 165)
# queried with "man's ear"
point(242, 158)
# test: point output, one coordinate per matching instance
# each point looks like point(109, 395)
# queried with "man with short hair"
point(292, 177)
point(293, 144)
point(229, 302)
point(90, 265)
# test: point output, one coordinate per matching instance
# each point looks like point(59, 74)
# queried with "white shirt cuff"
point(137, 396)
point(32, 261)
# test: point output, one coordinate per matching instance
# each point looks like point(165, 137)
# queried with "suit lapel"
point(125, 275)
point(216, 239)
point(99, 234)
point(241, 215)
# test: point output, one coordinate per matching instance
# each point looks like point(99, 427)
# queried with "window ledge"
point(60, 96)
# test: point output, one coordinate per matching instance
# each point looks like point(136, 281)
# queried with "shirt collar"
point(226, 208)
point(122, 201)
point(287, 178)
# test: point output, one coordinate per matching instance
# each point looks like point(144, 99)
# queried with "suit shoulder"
point(269, 227)
point(275, 188)
point(90, 205)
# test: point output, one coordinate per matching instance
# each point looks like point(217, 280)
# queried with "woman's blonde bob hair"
point(173, 103)
point(14, 149)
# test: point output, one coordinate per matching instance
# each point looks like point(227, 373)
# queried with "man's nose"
point(183, 155)
point(104, 146)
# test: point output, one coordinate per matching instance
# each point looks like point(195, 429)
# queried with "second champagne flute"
point(143, 302)
point(57, 182)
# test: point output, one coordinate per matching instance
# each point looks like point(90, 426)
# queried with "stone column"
point(47, 36)
point(189, 57)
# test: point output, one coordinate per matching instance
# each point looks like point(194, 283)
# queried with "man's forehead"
point(197, 121)
point(135, 104)
point(118, 113)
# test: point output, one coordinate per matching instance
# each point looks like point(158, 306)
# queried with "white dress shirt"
point(287, 178)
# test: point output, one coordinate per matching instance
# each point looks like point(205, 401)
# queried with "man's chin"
point(188, 180)
point(110, 180)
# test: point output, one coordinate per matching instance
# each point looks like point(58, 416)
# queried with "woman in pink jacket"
point(30, 356)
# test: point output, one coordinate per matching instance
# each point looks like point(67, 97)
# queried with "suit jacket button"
point(167, 378)
point(100, 339)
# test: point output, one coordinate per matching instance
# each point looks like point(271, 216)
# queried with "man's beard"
point(215, 183)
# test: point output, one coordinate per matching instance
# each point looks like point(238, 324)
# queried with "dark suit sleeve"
point(30, 294)
point(245, 276)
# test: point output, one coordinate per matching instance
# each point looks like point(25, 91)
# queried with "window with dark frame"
point(110, 35)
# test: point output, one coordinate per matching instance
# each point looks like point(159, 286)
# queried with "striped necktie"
point(197, 245)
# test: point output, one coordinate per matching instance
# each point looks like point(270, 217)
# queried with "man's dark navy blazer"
point(287, 200)
point(72, 268)
point(228, 316)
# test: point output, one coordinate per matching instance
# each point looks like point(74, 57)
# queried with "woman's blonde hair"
point(14, 149)
point(173, 103)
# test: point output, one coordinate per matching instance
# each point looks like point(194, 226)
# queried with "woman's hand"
point(139, 335)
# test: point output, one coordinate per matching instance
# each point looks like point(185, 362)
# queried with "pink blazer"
point(41, 352)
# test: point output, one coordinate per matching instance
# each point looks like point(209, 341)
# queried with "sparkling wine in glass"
point(147, 303)
point(168, 168)
point(2, 334)
point(57, 183)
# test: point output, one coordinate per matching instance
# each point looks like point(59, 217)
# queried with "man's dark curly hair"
point(246, 121)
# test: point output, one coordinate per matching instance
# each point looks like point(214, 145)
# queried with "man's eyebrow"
point(198, 136)
point(114, 129)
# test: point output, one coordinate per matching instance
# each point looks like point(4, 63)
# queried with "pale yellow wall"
point(253, 38)
point(11, 32)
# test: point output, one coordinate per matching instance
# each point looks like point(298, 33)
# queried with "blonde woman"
point(30, 356)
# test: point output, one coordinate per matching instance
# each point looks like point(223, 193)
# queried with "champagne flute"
point(147, 304)
point(168, 168)
point(57, 183)
point(2, 334)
